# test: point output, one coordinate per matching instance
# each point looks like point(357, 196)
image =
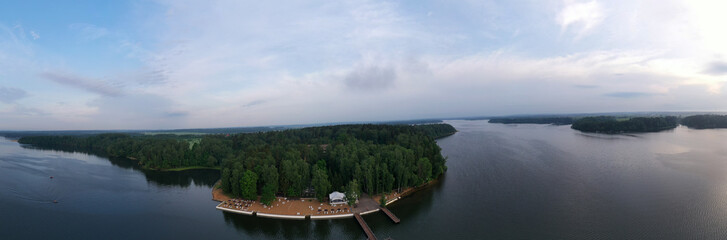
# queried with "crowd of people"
point(238, 204)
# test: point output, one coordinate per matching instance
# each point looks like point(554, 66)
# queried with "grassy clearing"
point(193, 141)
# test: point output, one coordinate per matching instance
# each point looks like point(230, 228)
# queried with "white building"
point(336, 198)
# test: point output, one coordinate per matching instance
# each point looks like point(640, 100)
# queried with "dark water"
point(503, 182)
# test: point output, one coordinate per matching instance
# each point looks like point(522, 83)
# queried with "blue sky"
point(184, 64)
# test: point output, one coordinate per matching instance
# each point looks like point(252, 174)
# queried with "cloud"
point(370, 78)
point(217, 63)
point(91, 85)
point(716, 68)
point(34, 35)
point(628, 94)
point(176, 114)
point(581, 15)
point(136, 111)
point(585, 86)
point(10, 95)
point(254, 103)
point(89, 32)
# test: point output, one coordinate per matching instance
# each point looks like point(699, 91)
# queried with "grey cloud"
point(585, 86)
point(716, 68)
point(9, 95)
point(628, 94)
point(176, 114)
point(148, 77)
point(254, 103)
point(134, 111)
point(91, 85)
point(370, 78)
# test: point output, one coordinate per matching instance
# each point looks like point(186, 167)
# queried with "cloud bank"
point(224, 63)
point(10, 95)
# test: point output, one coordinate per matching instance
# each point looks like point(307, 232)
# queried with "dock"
point(391, 215)
point(367, 230)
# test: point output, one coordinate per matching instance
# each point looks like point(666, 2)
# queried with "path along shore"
point(303, 208)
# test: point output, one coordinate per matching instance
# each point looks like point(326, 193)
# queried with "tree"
point(248, 185)
point(425, 169)
point(225, 180)
point(211, 161)
point(352, 192)
point(269, 177)
point(268, 195)
point(320, 183)
point(235, 182)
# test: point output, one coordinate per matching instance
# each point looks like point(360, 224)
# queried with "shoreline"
point(306, 208)
point(179, 169)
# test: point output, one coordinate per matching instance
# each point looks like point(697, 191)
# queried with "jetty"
point(367, 230)
point(391, 215)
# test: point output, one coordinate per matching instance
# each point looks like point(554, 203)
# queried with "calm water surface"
point(504, 182)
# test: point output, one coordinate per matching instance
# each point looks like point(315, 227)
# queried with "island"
point(705, 121)
point(533, 120)
point(369, 164)
point(611, 125)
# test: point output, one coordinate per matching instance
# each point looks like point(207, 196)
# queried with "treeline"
point(295, 162)
point(153, 152)
point(534, 120)
point(705, 121)
point(606, 124)
point(436, 130)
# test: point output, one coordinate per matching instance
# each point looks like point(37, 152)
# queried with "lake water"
point(504, 182)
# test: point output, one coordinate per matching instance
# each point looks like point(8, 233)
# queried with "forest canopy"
point(606, 124)
point(705, 121)
point(294, 163)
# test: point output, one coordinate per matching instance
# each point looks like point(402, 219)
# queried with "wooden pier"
point(391, 215)
point(367, 230)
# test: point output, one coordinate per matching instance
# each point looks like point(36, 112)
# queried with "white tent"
point(337, 198)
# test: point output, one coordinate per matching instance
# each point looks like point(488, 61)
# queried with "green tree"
point(268, 195)
point(320, 183)
point(268, 176)
point(425, 169)
point(225, 180)
point(353, 191)
point(235, 181)
point(211, 161)
point(248, 185)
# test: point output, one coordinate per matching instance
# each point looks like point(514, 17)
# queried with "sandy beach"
point(284, 206)
point(300, 208)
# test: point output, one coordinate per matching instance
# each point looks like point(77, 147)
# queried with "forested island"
point(296, 162)
point(607, 124)
point(705, 121)
point(534, 120)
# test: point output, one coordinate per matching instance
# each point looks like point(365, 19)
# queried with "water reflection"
point(323, 228)
point(201, 177)
point(250, 225)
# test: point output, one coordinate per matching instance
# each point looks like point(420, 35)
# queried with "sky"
point(168, 64)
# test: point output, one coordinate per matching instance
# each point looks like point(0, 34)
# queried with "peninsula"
point(276, 167)
point(705, 121)
point(606, 124)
